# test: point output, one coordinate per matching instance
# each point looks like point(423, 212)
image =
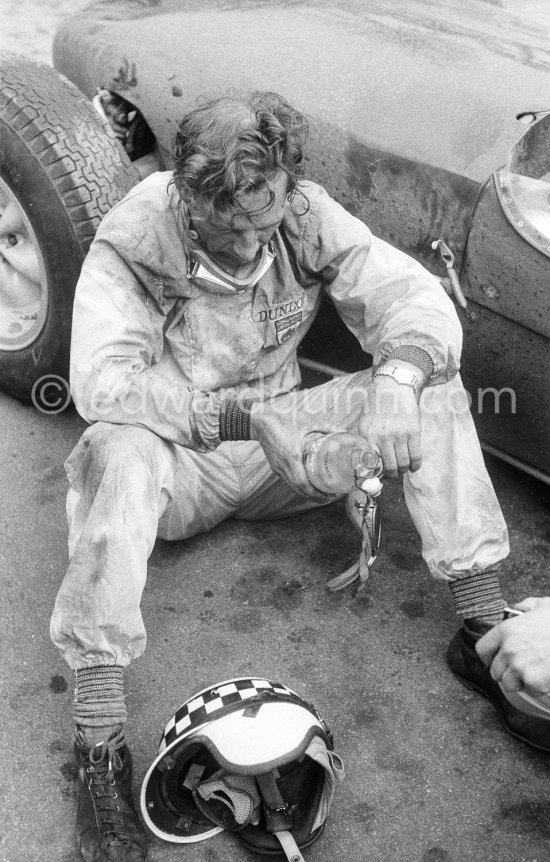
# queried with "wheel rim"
point(23, 281)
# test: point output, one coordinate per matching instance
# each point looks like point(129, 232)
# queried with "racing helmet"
point(248, 755)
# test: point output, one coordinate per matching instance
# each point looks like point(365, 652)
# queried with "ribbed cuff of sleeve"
point(416, 356)
point(235, 419)
point(204, 420)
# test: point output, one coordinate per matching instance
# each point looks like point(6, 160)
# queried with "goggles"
point(216, 280)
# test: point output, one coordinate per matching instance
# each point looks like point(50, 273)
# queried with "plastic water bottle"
point(336, 463)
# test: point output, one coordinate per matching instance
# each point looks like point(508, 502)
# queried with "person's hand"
point(518, 649)
point(280, 426)
point(390, 423)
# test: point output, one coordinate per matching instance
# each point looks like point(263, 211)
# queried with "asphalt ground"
point(431, 775)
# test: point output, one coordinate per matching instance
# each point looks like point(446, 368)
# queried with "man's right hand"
point(280, 426)
point(518, 649)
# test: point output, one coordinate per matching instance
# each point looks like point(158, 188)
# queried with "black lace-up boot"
point(467, 666)
point(108, 826)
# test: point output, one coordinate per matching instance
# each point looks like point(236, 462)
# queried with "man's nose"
point(247, 246)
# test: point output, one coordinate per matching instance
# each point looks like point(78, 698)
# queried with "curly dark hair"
point(232, 145)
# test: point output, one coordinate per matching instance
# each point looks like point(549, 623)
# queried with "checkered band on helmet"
point(225, 697)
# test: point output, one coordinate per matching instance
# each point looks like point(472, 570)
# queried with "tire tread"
point(66, 168)
point(64, 132)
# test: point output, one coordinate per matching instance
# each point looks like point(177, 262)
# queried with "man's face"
point(235, 239)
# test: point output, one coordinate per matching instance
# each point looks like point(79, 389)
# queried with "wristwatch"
point(401, 375)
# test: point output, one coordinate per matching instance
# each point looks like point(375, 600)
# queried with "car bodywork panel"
point(503, 272)
point(510, 400)
point(508, 285)
point(390, 71)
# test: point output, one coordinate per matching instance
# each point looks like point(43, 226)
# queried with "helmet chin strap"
point(289, 846)
point(278, 816)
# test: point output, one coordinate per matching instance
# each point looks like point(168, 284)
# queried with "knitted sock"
point(478, 599)
point(98, 707)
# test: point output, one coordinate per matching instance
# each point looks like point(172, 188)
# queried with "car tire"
point(61, 170)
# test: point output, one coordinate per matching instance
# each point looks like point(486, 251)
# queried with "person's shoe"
point(108, 827)
point(467, 666)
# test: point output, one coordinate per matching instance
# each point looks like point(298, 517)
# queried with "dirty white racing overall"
point(154, 355)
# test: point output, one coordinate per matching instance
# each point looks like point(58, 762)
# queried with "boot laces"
point(104, 759)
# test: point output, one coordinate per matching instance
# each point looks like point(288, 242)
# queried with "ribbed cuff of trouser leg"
point(478, 597)
point(99, 696)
